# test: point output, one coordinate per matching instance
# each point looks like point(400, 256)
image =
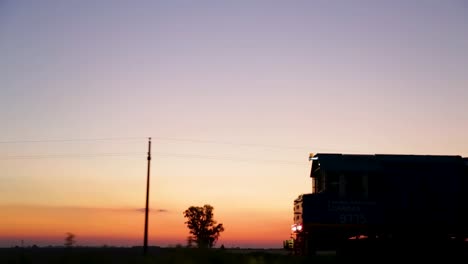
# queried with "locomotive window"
point(355, 186)
point(319, 184)
point(333, 183)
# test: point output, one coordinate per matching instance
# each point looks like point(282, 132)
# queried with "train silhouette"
point(381, 200)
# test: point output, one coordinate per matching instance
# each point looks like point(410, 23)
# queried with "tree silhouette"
point(70, 240)
point(204, 230)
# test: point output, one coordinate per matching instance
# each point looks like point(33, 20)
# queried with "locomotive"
point(381, 199)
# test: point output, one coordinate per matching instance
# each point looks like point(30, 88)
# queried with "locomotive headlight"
point(299, 227)
point(311, 157)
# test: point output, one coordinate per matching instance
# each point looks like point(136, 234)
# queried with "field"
point(214, 256)
point(155, 255)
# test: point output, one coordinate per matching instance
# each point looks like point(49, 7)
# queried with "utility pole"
point(145, 243)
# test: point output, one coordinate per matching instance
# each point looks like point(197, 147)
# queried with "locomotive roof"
point(378, 162)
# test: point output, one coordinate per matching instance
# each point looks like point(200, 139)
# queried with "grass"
point(214, 256)
point(155, 256)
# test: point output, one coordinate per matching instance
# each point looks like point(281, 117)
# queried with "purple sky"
point(298, 71)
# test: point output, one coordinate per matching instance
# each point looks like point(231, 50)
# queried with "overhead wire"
point(67, 140)
point(141, 154)
point(192, 140)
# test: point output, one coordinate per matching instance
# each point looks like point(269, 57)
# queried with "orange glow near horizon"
point(101, 200)
point(95, 226)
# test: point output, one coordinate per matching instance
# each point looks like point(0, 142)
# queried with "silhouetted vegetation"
point(114, 255)
point(204, 230)
point(70, 240)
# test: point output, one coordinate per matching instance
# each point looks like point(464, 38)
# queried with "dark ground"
point(216, 256)
point(156, 255)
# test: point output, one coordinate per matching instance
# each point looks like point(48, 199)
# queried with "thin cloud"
point(142, 210)
point(83, 208)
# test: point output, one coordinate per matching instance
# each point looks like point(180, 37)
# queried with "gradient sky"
point(236, 95)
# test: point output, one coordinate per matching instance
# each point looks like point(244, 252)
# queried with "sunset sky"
point(235, 94)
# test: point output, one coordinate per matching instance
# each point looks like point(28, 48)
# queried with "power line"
point(141, 154)
point(228, 143)
point(192, 140)
point(68, 155)
point(154, 138)
point(68, 140)
point(225, 158)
